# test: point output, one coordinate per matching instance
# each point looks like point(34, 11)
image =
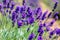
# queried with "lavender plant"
point(24, 23)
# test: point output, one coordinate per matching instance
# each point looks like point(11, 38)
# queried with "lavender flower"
point(6, 10)
point(44, 15)
point(41, 32)
point(12, 6)
point(39, 14)
point(56, 15)
point(17, 9)
point(55, 6)
point(13, 15)
point(8, 5)
point(49, 15)
point(23, 15)
point(19, 23)
point(57, 30)
point(31, 36)
point(30, 20)
point(23, 2)
point(52, 33)
point(28, 9)
point(38, 10)
point(29, 14)
point(39, 38)
point(40, 28)
point(51, 23)
point(22, 9)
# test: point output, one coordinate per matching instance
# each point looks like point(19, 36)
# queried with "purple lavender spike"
point(13, 15)
point(8, 5)
point(56, 15)
point(47, 29)
point(49, 15)
point(39, 38)
point(57, 30)
point(28, 9)
point(7, 10)
point(0, 7)
point(19, 23)
point(44, 24)
point(55, 6)
point(39, 15)
point(17, 9)
point(38, 10)
point(40, 28)
point(52, 33)
point(31, 36)
point(22, 9)
point(23, 15)
point(29, 14)
point(23, 2)
point(12, 5)
point(51, 23)
point(30, 20)
point(44, 15)
point(41, 32)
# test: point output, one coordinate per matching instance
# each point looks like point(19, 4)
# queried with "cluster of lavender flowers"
point(24, 15)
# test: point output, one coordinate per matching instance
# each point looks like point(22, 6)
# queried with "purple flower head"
point(44, 15)
point(31, 36)
point(19, 23)
point(41, 32)
point(39, 38)
point(13, 16)
point(6, 10)
point(56, 15)
point(29, 14)
point(44, 24)
point(49, 15)
point(55, 6)
point(57, 30)
point(12, 5)
point(30, 20)
point(8, 5)
point(39, 15)
point(22, 9)
point(17, 9)
point(28, 9)
point(23, 15)
point(52, 33)
point(40, 28)
point(47, 28)
point(23, 2)
point(51, 23)
point(38, 10)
